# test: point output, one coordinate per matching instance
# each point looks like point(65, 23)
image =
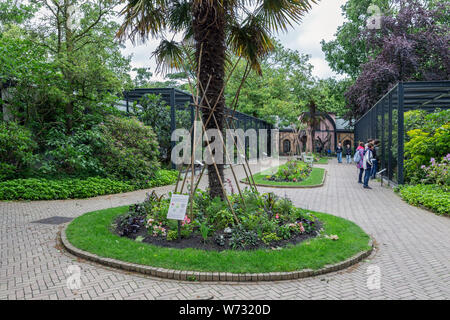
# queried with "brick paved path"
point(413, 254)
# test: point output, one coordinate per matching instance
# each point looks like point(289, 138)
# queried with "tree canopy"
point(412, 45)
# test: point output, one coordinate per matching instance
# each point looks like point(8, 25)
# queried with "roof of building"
point(342, 124)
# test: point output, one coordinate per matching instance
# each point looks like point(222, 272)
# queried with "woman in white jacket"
point(367, 165)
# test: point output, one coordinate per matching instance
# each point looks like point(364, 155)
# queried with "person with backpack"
point(367, 165)
point(339, 150)
point(348, 153)
point(358, 159)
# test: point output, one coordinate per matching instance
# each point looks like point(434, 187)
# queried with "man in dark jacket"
point(339, 152)
point(348, 153)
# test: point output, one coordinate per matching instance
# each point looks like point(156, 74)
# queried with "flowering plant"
point(292, 171)
point(437, 172)
point(155, 228)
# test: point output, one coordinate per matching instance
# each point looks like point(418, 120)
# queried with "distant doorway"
point(286, 146)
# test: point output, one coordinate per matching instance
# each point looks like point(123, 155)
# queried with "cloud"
point(319, 24)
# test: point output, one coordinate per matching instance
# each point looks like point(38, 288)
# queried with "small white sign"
point(178, 206)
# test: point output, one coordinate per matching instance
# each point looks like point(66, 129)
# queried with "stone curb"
point(211, 276)
point(290, 187)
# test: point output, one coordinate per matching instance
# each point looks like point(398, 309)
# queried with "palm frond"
point(143, 18)
point(250, 40)
point(180, 16)
point(280, 14)
point(169, 55)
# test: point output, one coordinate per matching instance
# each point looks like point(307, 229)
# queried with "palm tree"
point(216, 29)
point(312, 119)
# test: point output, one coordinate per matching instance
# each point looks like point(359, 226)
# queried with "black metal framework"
point(182, 111)
point(385, 120)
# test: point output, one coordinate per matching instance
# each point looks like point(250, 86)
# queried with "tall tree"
point(347, 52)
point(78, 35)
point(413, 45)
point(214, 27)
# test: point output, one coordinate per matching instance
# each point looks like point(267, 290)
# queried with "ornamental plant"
point(432, 141)
point(265, 220)
point(437, 172)
point(292, 171)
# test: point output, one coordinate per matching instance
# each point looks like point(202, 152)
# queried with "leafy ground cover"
point(77, 188)
point(431, 196)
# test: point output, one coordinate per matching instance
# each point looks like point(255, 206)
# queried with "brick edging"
point(211, 276)
point(290, 187)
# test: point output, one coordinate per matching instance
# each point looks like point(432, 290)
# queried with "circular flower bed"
point(291, 171)
point(256, 222)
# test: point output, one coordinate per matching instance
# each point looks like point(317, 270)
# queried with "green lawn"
point(322, 161)
point(91, 232)
point(314, 179)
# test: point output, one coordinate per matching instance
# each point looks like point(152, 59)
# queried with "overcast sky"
point(320, 23)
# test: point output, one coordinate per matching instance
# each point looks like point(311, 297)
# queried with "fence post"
point(390, 175)
point(383, 145)
point(172, 120)
point(400, 134)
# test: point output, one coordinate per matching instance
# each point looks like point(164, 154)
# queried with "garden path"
point(413, 254)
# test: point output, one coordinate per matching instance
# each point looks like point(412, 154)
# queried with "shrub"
point(433, 197)
point(437, 172)
point(16, 149)
point(72, 154)
point(129, 150)
point(163, 177)
point(43, 189)
point(430, 139)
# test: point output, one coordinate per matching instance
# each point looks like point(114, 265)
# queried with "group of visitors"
point(348, 153)
point(365, 158)
point(366, 161)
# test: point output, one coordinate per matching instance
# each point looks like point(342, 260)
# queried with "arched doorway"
point(286, 146)
point(303, 140)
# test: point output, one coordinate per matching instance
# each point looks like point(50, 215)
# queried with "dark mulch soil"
point(195, 241)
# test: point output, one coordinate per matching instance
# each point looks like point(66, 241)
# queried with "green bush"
point(163, 177)
point(74, 154)
point(129, 150)
point(74, 188)
point(430, 139)
point(433, 197)
point(43, 189)
point(16, 149)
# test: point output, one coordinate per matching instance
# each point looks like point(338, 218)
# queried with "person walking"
point(358, 159)
point(348, 153)
point(339, 150)
point(367, 165)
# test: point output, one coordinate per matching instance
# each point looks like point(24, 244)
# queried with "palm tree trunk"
point(312, 114)
point(209, 35)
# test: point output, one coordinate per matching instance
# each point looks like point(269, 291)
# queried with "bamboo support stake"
point(227, 155)
point(218, 176)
